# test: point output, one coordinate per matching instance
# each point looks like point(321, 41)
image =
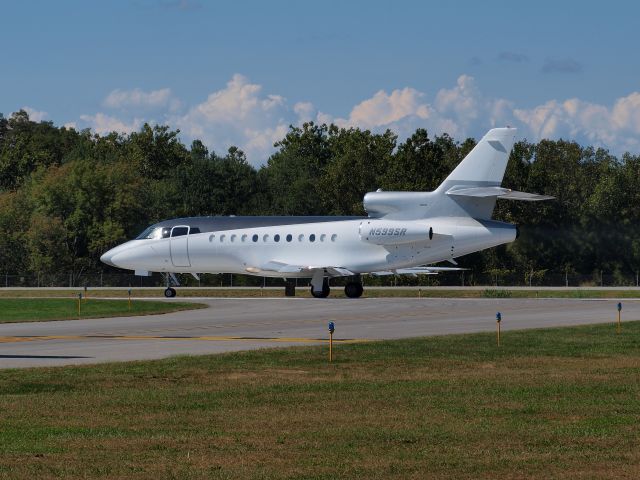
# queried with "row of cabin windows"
point(276, 238)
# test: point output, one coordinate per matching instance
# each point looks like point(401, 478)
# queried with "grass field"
point(338, 292)
point(42, 309)
point(555, 403)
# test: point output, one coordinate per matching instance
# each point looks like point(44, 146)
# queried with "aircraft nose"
point(106, 258)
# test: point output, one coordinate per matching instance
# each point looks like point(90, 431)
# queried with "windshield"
point(154, 233)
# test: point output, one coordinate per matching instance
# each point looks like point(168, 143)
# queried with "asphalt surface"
point(242, 324)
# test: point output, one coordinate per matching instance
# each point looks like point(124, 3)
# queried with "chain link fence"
point(461, 278)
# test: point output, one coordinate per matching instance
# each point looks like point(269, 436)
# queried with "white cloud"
point(35, 115)
point(456, 111)
point(137, 98)
point(616, 127)
point(104, 124)
point(305, 111)
point(241, 114)
point(384, 109)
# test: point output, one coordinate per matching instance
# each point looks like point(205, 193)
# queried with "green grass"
point(336, 291)
point(554, 403)
point(42, 309)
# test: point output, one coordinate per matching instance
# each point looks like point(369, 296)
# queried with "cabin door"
point(180, 246)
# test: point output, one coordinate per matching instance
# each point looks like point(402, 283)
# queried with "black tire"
point(325, 290)
point(323, 294)
point(170, 292)
point(353, 290)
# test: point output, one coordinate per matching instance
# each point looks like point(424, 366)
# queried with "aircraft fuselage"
point(349, 244)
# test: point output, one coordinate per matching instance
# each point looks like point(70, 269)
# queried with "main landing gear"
point(324, 293)
point(353, 289)
point(320, 286)
point(170, 292)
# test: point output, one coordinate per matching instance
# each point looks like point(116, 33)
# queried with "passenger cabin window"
point(322, 237)
point(244, 237)
point(312, 237)
point(255, 238)
point(233, 237)
point(276, 238)
point(179, 231)
point(289, 237)
point(265, 238)
point(333, 237)
point(300, 237)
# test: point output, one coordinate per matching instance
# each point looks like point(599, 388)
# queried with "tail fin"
point(486, 163)
point(484, 166)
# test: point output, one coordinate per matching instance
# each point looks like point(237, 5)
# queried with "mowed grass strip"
point(336, 292)
point(43, 309)
point(554, 403)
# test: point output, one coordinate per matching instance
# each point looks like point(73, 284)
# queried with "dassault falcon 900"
point(404, 232)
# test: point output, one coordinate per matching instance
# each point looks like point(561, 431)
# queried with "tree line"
point(66, 196)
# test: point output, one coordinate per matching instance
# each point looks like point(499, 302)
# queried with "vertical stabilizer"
point(470, 190)
point(486, 163)
point(484, 166)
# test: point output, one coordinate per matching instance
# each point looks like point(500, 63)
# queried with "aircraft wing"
point(498, 192)
point(417, 271)
point(281, 267)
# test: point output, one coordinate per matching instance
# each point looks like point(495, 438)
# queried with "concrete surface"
point(241, 324)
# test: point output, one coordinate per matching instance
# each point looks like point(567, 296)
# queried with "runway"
point(242, 324)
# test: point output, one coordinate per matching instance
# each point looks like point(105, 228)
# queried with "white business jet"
point(404, 233)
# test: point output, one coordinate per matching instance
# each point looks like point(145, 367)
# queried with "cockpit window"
point(194, 230)
point(150, 233)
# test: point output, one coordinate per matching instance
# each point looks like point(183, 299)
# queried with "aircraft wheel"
point(353, 290)
point(325, 290)
point(323, 294)
point(170, 292)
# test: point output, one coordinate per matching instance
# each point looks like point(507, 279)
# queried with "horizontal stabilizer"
point(498, 192)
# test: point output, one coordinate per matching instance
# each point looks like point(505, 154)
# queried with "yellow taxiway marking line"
point(206, 338)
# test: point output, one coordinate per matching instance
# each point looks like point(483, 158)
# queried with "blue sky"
point(240, 72)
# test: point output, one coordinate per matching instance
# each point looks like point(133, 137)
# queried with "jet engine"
point(378, 204)
point(393, 232)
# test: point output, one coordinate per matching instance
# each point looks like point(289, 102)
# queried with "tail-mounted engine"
point(394, 232)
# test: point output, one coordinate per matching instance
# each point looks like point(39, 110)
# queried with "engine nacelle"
point(378, 204)
point(392, 232)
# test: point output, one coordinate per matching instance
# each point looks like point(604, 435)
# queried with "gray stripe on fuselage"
point(216, 224)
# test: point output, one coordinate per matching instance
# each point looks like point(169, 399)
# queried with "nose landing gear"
point(170, 292)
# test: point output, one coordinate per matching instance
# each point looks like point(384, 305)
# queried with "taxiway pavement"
point(249, 323)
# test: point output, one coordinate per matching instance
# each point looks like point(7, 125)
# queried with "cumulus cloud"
point(35, 115)
point(243, 115)
point(384, 109)
point(137, 98)
point(561, 65)
point(104, 124)
point(457, 111)
point(616, 127)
